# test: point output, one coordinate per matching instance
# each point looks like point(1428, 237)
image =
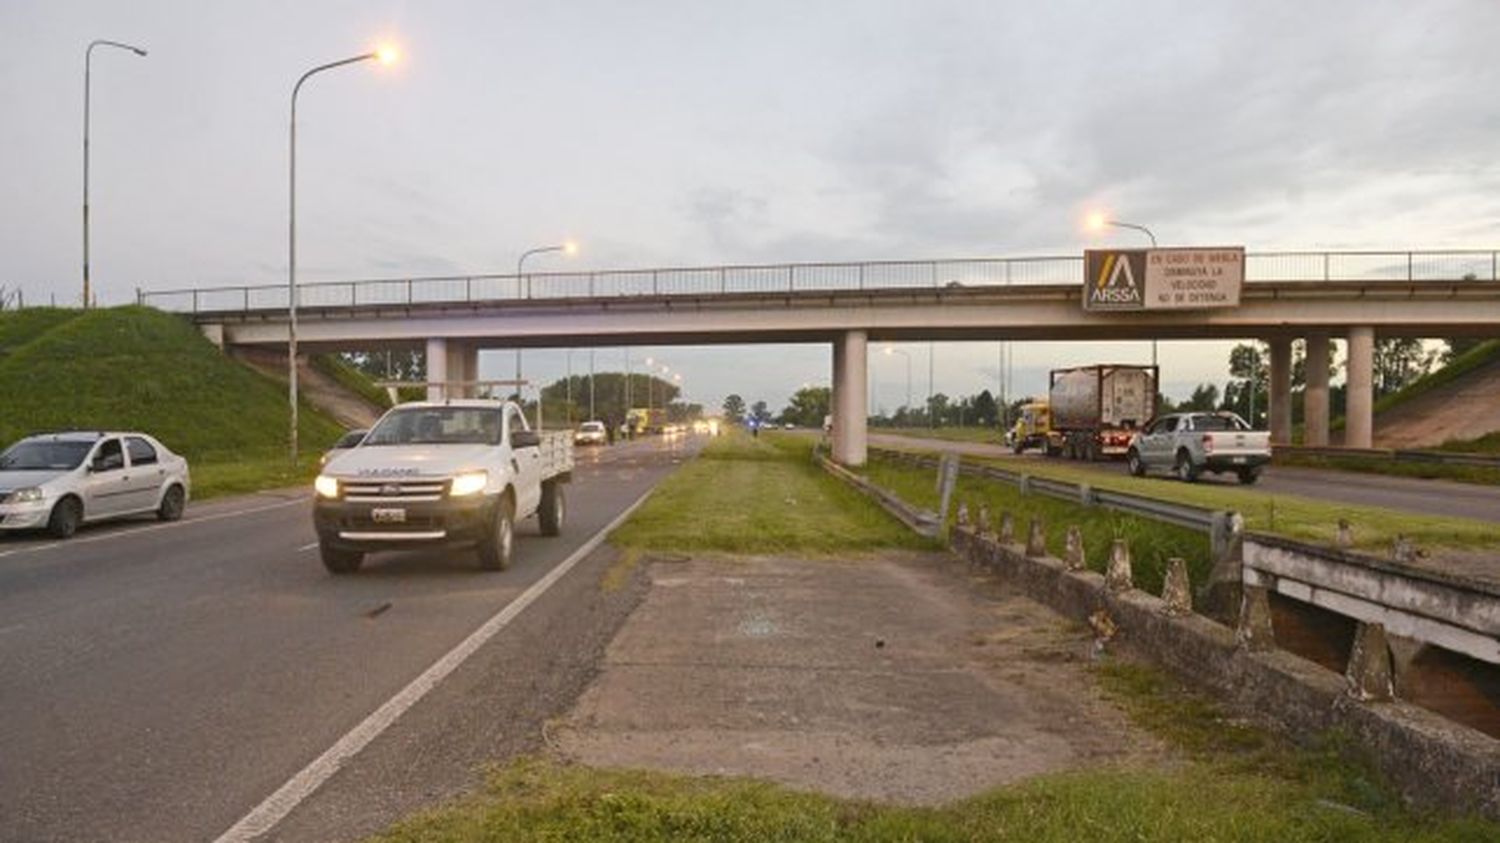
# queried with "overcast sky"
point(670, 133)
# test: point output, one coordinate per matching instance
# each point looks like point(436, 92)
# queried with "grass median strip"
point(761, 496)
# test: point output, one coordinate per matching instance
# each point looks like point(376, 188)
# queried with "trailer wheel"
point(553, 509)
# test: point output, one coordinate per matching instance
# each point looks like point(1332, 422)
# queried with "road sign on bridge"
point(1163, 279)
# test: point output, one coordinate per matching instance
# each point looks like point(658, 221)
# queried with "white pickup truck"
point(456, 473)
point(1192, 443)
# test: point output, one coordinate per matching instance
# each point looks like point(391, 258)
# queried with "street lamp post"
point(385, 55)
point(889, 350)
point(567, 248)
point(88, 59)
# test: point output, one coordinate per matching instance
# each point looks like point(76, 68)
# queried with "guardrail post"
point(140, 298)
point(1086, 494)
point(409, 291)
point(791, 278)
point(468, 289)
point(1224, 591)
point(1253, 631)
point(654, 290)
point(195, 301)
point(861, 276)
point(1073, 555)
point(1325, 266)
point(1036, 537)
point(723, 280)
point(1409, 275)
point(1023, 484)
point(245, 303)
point(1007, 528)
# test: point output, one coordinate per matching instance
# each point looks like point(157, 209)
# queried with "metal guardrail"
point(1286, 267)
point(1394, 454)
point(1182, 515)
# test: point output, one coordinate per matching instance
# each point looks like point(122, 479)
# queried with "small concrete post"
point(1007, 528)
point(1085, 494)
point(1073, 554)
point(1036, 537)
point(1175, 592)
point(1254, 631)
point(963, 515)
point(1369, 674)
point(982, 520)
point(1345, 538)
point(1402, 550)
point(1118, 576)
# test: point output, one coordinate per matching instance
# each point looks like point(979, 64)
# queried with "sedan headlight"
point(326, 487)
point(30, 495)
point(469, 483)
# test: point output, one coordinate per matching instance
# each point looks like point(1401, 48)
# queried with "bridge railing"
point(1309, 267)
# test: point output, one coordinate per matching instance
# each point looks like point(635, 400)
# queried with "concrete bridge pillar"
point(1359, 410)
point(1315, 398)
point(850, 381)
point(437, 367)
point(1281, 391)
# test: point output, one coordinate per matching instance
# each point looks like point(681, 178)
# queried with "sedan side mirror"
point(525, 439)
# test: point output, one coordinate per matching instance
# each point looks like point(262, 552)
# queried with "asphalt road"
point(1431, 497)
point(157, 682)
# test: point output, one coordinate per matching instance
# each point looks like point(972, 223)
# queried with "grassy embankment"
point(1295, 517)
point(138, 369)
point(1228, 781)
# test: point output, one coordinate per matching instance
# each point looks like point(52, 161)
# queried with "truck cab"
point(457, 473)
point(1032, 428)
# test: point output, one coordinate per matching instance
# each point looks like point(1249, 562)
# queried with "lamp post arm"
point(1132, 226)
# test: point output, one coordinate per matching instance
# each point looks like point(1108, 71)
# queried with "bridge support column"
point(437, 367)
point(1315, 398)
point(463, 365)
point(1359, 409)
point(850, 381)
point(1281, 391)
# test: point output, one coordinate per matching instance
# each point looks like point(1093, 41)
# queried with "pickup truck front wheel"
point(554, 508)
point(495, 549)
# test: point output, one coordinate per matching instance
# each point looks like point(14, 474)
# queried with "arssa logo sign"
point(1114, 279)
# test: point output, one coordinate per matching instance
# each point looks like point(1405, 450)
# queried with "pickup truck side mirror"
point(525, 439)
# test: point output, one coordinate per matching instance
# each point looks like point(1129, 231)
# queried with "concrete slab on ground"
point(908, 679)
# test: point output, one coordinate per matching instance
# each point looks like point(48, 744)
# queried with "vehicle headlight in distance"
point(31, 495)
point(326, 487)
point(468, 483)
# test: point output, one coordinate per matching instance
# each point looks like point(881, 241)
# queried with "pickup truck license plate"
point(1239, 460)
point(388, 516)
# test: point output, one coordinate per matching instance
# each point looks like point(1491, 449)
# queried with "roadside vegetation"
point(760, 496)
point(1234, 782)
point(1288, 515)
point(135, 368)
point(351, 379)
point(1479, 475)
point(986, 435)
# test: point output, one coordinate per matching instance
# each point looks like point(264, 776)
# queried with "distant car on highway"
point(347, 441)
point(60, 481)
point(591, 433)
point(1191, 443)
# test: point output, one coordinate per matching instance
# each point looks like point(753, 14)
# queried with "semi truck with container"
point(1093, 411)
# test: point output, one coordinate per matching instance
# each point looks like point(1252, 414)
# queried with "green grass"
point(133, 368)
point(1236, 783)
point(1392, 468)
point(1288, 515)
point(1151, 543)
point(351, 379)
point(1486, 444)
point(988, 435)
point(760, 496)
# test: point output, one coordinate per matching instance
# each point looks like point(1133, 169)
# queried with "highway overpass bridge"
point(1316, 296)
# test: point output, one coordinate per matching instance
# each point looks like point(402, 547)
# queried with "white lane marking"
point(306, 547)
point(274, 809)
point(117, 534)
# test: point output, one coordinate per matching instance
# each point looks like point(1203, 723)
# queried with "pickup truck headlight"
point(468, 483)
point(30, 495)
point(326, 487)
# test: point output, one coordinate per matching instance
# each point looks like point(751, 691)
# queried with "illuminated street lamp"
point(384, 55)
point(568, 248)
point(88, 59)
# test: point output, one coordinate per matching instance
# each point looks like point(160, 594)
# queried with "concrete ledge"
point(1431, 759)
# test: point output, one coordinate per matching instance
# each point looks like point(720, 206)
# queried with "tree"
point(1398, 362)
point(760, 413)
point(734, 409)
point(808, 406)
point(403, 365)
point(1205, 398)
point(986, 412)
point(937, 407)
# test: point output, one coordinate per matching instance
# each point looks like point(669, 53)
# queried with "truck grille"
point(409, 490)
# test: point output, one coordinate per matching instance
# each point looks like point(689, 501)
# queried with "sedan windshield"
point(437, 426)
point(44, 456)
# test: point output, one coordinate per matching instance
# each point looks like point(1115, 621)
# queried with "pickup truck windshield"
point(1219, 423)
point(437, 426)
point(44, 456)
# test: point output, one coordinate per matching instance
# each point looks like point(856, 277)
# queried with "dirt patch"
point(348, 408)
point(1465, 409)
point(907, 679)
